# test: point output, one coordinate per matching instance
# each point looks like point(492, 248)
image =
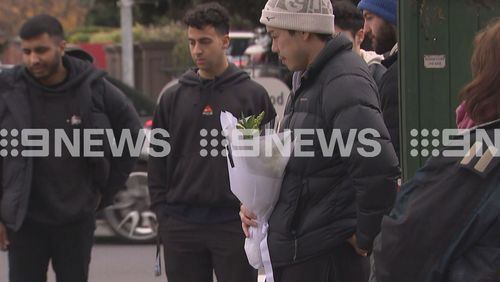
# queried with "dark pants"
point(194, 251)
point(68, 246)
point(340, 265)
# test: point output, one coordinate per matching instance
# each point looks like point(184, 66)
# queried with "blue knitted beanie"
point(386, 9)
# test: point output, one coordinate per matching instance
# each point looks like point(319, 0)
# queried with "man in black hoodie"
point(189, 188)
point(48, 201)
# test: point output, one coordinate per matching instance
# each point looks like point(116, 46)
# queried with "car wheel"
point(130, 217)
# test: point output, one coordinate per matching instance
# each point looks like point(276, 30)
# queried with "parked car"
point(129, 217)
point(251, 51)
point(4, 67)
point(240, 41)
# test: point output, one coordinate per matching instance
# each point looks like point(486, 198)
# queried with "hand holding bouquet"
point(256, 168)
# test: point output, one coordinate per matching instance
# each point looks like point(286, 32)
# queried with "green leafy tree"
point(13, 13)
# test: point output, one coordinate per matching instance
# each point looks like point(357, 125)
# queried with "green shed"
point(435, 38)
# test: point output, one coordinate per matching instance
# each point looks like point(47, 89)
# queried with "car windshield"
point(238, 46)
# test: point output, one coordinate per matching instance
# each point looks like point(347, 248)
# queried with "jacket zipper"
point(295, 250)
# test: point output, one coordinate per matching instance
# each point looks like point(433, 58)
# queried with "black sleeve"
point(1, 183)
point(377, 71)
point(122, 116)
point(3, 84)
point(373, 177)
point(158, 173)
point(389, 101)
point(2, 108)
point(265, 104)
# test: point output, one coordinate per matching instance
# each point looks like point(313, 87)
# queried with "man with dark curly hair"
point(189, 188)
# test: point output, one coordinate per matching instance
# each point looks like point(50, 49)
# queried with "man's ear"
point(226, 41)
point(62, 46)
point(359, 37)
point(305, 35)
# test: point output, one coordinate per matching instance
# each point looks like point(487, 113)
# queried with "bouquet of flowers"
point(256, 165)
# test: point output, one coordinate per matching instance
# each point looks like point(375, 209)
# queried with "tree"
point(104, 13)
point(13, 13)
point(245, 13)
point(249, 10)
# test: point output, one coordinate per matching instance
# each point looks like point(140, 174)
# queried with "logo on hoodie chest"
point(74, 120)
point(207, 111)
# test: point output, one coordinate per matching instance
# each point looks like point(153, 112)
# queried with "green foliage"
point(165, 31)
point(248, 11)
point(160, 20)
point(86, 34)
point(250, 126)
point(238, 22)
point(104, 13)
point(113, 36)
point(150, 12)
point(79, 37)
point(244, 14)
point(251, 122)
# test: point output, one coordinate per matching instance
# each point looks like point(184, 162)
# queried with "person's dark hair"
point(208, 14)
point(41, 24)
point(482, 94)
point(348, 16)
point(322, 36)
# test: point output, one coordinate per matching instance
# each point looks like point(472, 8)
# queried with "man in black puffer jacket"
point(331, 203)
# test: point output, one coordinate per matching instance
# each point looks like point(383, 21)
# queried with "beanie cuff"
point(307, 22)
